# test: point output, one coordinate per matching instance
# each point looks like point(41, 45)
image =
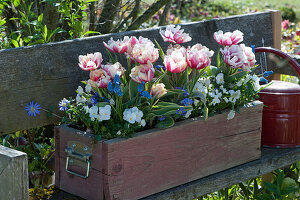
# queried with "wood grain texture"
point(47, 73)
point(90, 188)
point(156, 161)
point(13, 174)
point(271, 159)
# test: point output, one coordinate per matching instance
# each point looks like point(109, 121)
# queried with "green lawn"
point(267, 4)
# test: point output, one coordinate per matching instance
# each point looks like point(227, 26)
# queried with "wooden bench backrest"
point(47, 73)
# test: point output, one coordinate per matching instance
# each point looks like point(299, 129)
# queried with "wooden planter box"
point(156, 160)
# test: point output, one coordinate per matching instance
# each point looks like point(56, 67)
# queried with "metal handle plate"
point(78, 154)
point(75, 173)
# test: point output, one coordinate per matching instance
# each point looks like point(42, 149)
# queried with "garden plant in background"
point(130, 93)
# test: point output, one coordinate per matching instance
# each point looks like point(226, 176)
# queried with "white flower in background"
point(99, 118)
point(248, 77)
point(88, 88)
point(255, 82)
point(105, 112)
point(143, 123)
point(215, 101)
point(240, 82)
point(119, 132)
point(224, 90)
point(86, 109)
point(231, 115)
point(80, 99)
point(138, 115)
point(93, 112)
point(112, 102)
point(133, 115)
point(188, 113)
point(220, 78)
point(196, 102)
point(129, 116)
point(235, 95)
point(199, 87)
point(79, 90)
point(225, 99)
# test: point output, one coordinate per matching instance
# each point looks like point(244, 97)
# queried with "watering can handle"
point(283, 55)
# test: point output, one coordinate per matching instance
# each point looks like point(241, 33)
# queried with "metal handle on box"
point(70, 153)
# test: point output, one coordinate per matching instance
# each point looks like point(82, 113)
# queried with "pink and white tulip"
point(99, 78)
point(90, 61)
point(239, 56)
point(113, 69)
point(172, 48)
point(175, 35)
point(158, 89)
point(117, 46)
point(142, 73)
point(143, 50)
point(250, 57)
point(175, 62)
point(228, 38)
point(199, 57)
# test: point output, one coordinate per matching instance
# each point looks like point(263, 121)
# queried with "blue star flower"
point(187, 102)
point(180, 111)
point(63, 104)
point(33, 109)
point(162, 118)
point(186, 93)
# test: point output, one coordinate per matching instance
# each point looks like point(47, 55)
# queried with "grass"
point(267, 4)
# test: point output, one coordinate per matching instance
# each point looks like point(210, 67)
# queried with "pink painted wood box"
point(156, 160)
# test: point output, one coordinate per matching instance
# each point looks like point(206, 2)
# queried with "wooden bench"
point(47, 73)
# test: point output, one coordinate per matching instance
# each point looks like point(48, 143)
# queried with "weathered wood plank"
point(157, 161)
point(47, 73)
point(271, 160)
point(13, 174)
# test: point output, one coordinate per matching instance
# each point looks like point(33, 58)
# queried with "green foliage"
point(285, 186)
point(38, 143)
point(288, 13)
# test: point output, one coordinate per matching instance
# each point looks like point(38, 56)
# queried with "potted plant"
point(121, 141)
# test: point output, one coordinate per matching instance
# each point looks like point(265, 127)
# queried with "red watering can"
point(281, 113)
